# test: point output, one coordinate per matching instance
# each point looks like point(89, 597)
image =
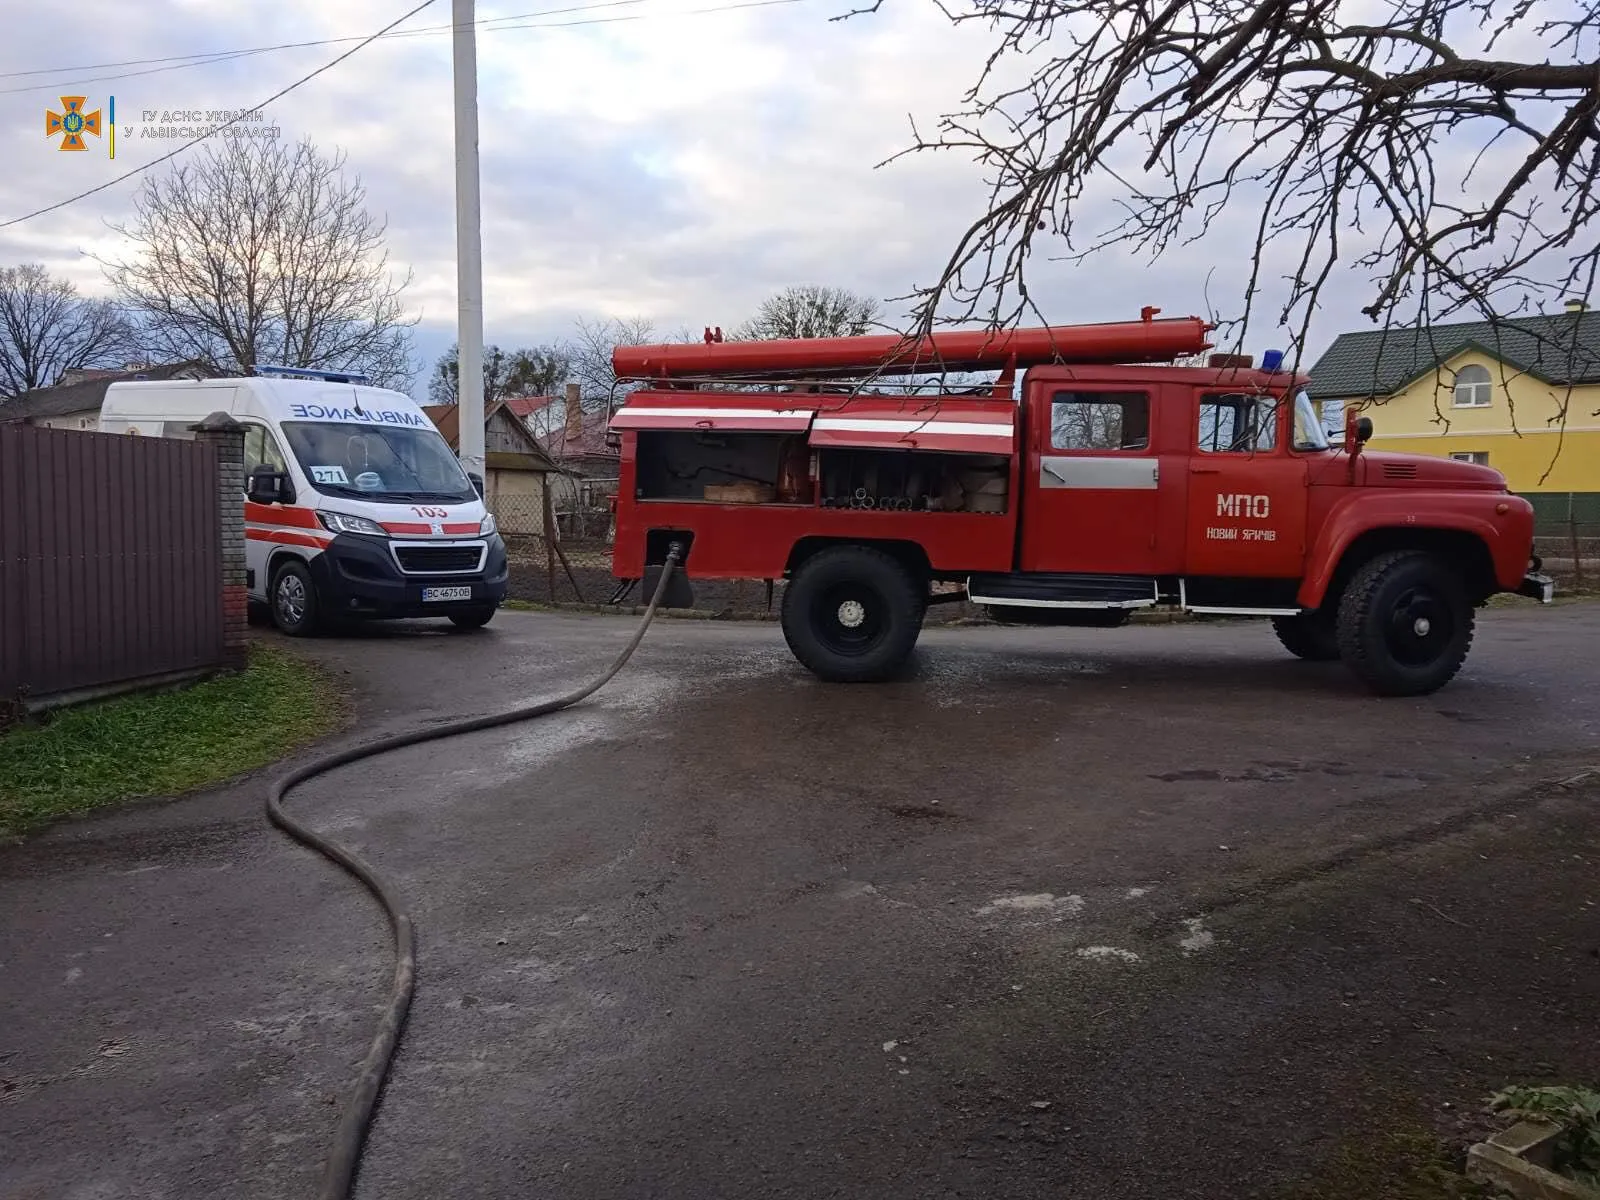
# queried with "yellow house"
point(1522, 397)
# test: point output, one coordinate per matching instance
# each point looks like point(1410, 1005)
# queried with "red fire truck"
point(1104, 480)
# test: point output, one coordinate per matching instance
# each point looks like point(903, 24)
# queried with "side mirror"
point(267, 486)
point(477, 483)
point(1356, 431)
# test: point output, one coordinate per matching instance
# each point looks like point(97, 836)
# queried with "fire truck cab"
point(1100, 480)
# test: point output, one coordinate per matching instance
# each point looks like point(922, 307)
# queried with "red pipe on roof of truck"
point(1146, 340)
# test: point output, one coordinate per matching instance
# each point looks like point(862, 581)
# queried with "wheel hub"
point(852, 614)
point(1420, 628)
point(291, 598)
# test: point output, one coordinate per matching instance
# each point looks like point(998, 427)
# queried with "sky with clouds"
point(679, 165)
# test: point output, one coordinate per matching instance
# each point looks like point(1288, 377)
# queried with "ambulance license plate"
point(453, 593)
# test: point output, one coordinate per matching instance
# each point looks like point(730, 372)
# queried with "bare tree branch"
point(259, 253)
point(1391, 142)
point(811, 311)
point(47, 328)
point(530, 371)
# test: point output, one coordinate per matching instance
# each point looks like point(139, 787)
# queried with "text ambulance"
point(354, 504)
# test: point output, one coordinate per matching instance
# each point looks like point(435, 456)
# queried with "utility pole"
point(469, 239)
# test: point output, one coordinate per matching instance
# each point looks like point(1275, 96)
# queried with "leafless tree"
point(811, 311)
point(530, 371)
point(258, 252)
point(46, 328)
point(589, 353)
point(1443, 152)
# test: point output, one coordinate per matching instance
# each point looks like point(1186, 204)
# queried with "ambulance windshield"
point(379, 462)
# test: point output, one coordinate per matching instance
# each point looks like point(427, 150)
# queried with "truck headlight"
point(487, 525)
point(346, 523)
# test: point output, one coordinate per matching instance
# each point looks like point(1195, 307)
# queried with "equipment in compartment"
point(914, 481)
point(743, 492)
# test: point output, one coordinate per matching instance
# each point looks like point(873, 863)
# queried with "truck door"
point(1247, 493)
point(1099, 489)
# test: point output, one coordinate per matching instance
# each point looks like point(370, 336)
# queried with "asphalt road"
point(1151, 912)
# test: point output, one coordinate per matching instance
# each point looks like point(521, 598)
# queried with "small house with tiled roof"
point(574, 436)
point(74, 401)
point(516, 471)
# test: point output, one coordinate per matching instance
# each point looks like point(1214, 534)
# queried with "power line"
point(177, 62)
point(68, 87)
point(692, 12)
point(304, 79)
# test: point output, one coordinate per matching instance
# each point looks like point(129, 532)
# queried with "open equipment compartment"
point(914, 481)
point(723, 466)
point(922, 454)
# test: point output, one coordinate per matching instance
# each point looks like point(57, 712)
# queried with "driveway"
point(1155, 911)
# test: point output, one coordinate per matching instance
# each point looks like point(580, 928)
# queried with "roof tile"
point(1560, 348)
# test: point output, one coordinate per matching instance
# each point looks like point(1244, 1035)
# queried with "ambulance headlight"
point(487, 525)
point(345, 523)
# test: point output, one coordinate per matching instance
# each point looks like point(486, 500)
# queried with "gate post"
point(227, 436)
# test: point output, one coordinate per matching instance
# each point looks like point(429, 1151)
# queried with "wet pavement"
point(1155, 911)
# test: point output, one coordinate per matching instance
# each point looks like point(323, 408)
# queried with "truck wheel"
point(1311, 637)
point(852, 614)
point(294, 600)
point(1405, 624)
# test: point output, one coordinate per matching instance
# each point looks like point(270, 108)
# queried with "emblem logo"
point(72, 123)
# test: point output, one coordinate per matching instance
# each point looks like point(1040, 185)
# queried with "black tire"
point(1313, 637)
point(1405, 623)
point(473, 618)
point(293, 598)
point(852, 614)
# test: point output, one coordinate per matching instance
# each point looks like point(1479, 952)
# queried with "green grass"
point(162, 743)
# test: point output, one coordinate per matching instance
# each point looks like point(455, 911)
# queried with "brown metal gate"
point(110, 559)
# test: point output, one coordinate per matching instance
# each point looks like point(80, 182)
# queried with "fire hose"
point(350, 1137)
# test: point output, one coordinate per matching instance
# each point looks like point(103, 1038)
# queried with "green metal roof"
point(1563, 348)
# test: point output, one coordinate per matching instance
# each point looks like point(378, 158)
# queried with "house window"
point(1100, 421)
point(1481, 457)
point(1472, 387)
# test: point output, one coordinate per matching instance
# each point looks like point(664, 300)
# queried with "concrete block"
point(1517, 1160)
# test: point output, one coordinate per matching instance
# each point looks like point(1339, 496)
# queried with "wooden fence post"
point(549, 544)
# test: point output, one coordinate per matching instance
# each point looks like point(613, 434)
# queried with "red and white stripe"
point(661, 416)
point(970, 427)
point(284, 525)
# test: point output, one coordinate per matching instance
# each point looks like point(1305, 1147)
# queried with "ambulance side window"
point(260, 447)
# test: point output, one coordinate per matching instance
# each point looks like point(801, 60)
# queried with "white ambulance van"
point(354, 504)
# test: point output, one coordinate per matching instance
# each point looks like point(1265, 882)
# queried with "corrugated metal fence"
point(1566, 527)
point(110, 557)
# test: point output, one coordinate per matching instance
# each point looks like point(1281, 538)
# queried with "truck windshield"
point(378, 462)
point(1309, 432)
